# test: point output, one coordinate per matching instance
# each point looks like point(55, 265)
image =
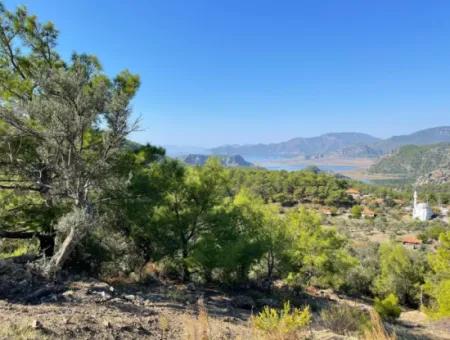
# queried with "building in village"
point(411, 241)
point(355, 193)
point(421, 211)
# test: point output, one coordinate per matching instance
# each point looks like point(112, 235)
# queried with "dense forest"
point(74, 193)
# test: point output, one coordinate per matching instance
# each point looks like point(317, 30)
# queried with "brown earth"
point(85, 308)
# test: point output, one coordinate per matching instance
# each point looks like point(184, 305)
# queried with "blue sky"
point(216, 72)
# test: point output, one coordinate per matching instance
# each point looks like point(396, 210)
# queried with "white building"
point(421, 211)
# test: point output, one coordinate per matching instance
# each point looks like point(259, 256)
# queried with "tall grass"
point(198, 328)
point(377, 331)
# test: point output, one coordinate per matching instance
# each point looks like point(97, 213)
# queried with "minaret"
point(415, 199)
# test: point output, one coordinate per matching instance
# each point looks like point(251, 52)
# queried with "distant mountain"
point(177, 150)
point(343, 145)
point(228, 161)
point(313, 147)
point(423, 137)
point(424, 162)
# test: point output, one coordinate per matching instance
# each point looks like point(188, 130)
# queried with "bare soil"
point(86, 308)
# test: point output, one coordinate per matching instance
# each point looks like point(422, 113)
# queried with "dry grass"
point(21, 332)
point(204, 327)
point(164, 325)
point(376, 331)
point(198, 328)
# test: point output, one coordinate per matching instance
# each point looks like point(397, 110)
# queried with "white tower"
point(421, 211)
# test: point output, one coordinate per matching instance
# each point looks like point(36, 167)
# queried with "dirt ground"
point(84, 308)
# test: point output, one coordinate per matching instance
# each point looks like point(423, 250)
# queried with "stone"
point(134, 277)
point(105, 296)
point(68, 293)
point(129, 297)
point(36, 324)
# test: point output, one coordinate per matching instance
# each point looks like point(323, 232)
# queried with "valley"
point(349, 154)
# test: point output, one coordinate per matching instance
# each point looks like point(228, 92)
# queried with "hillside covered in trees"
point(414, 161)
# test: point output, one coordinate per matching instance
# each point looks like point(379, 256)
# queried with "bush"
point(438, 282)
point(356, 211)
point(440, 305)
point(360, 278)
point(169, 269)
point(15, 248)
point(388, 308)
point(285, 322)
point(401, 273)
point(344, 319)
point(104, 254)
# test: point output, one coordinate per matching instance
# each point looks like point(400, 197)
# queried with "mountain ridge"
point(311, 146)
point(340, 144)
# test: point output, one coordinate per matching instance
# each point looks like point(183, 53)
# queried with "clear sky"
point(245, 71)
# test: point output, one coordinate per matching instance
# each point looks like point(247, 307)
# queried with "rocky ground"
point(32, 308)
point(436, 177)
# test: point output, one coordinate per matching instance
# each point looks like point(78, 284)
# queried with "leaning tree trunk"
point(75, 225)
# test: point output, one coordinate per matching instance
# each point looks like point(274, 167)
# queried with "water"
point(276, 164)
point(295, 167)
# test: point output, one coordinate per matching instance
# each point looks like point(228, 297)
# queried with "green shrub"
point(437, 286)
point(440, 306)
point(287, 321)
point(356, 211)
point(388, 308)
point(169, 269)
point(344, 319)
point(401, 273)
point(15, 248)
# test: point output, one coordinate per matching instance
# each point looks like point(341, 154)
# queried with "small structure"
point(421, 211)
point(367, 213)
point(411, 241)
point(354, 193)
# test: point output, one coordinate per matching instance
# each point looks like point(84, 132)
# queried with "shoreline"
point(358, 172)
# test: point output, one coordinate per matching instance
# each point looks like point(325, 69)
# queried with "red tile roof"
point(411, 239)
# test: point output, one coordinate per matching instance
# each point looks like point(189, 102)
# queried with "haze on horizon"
point(257, 72)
